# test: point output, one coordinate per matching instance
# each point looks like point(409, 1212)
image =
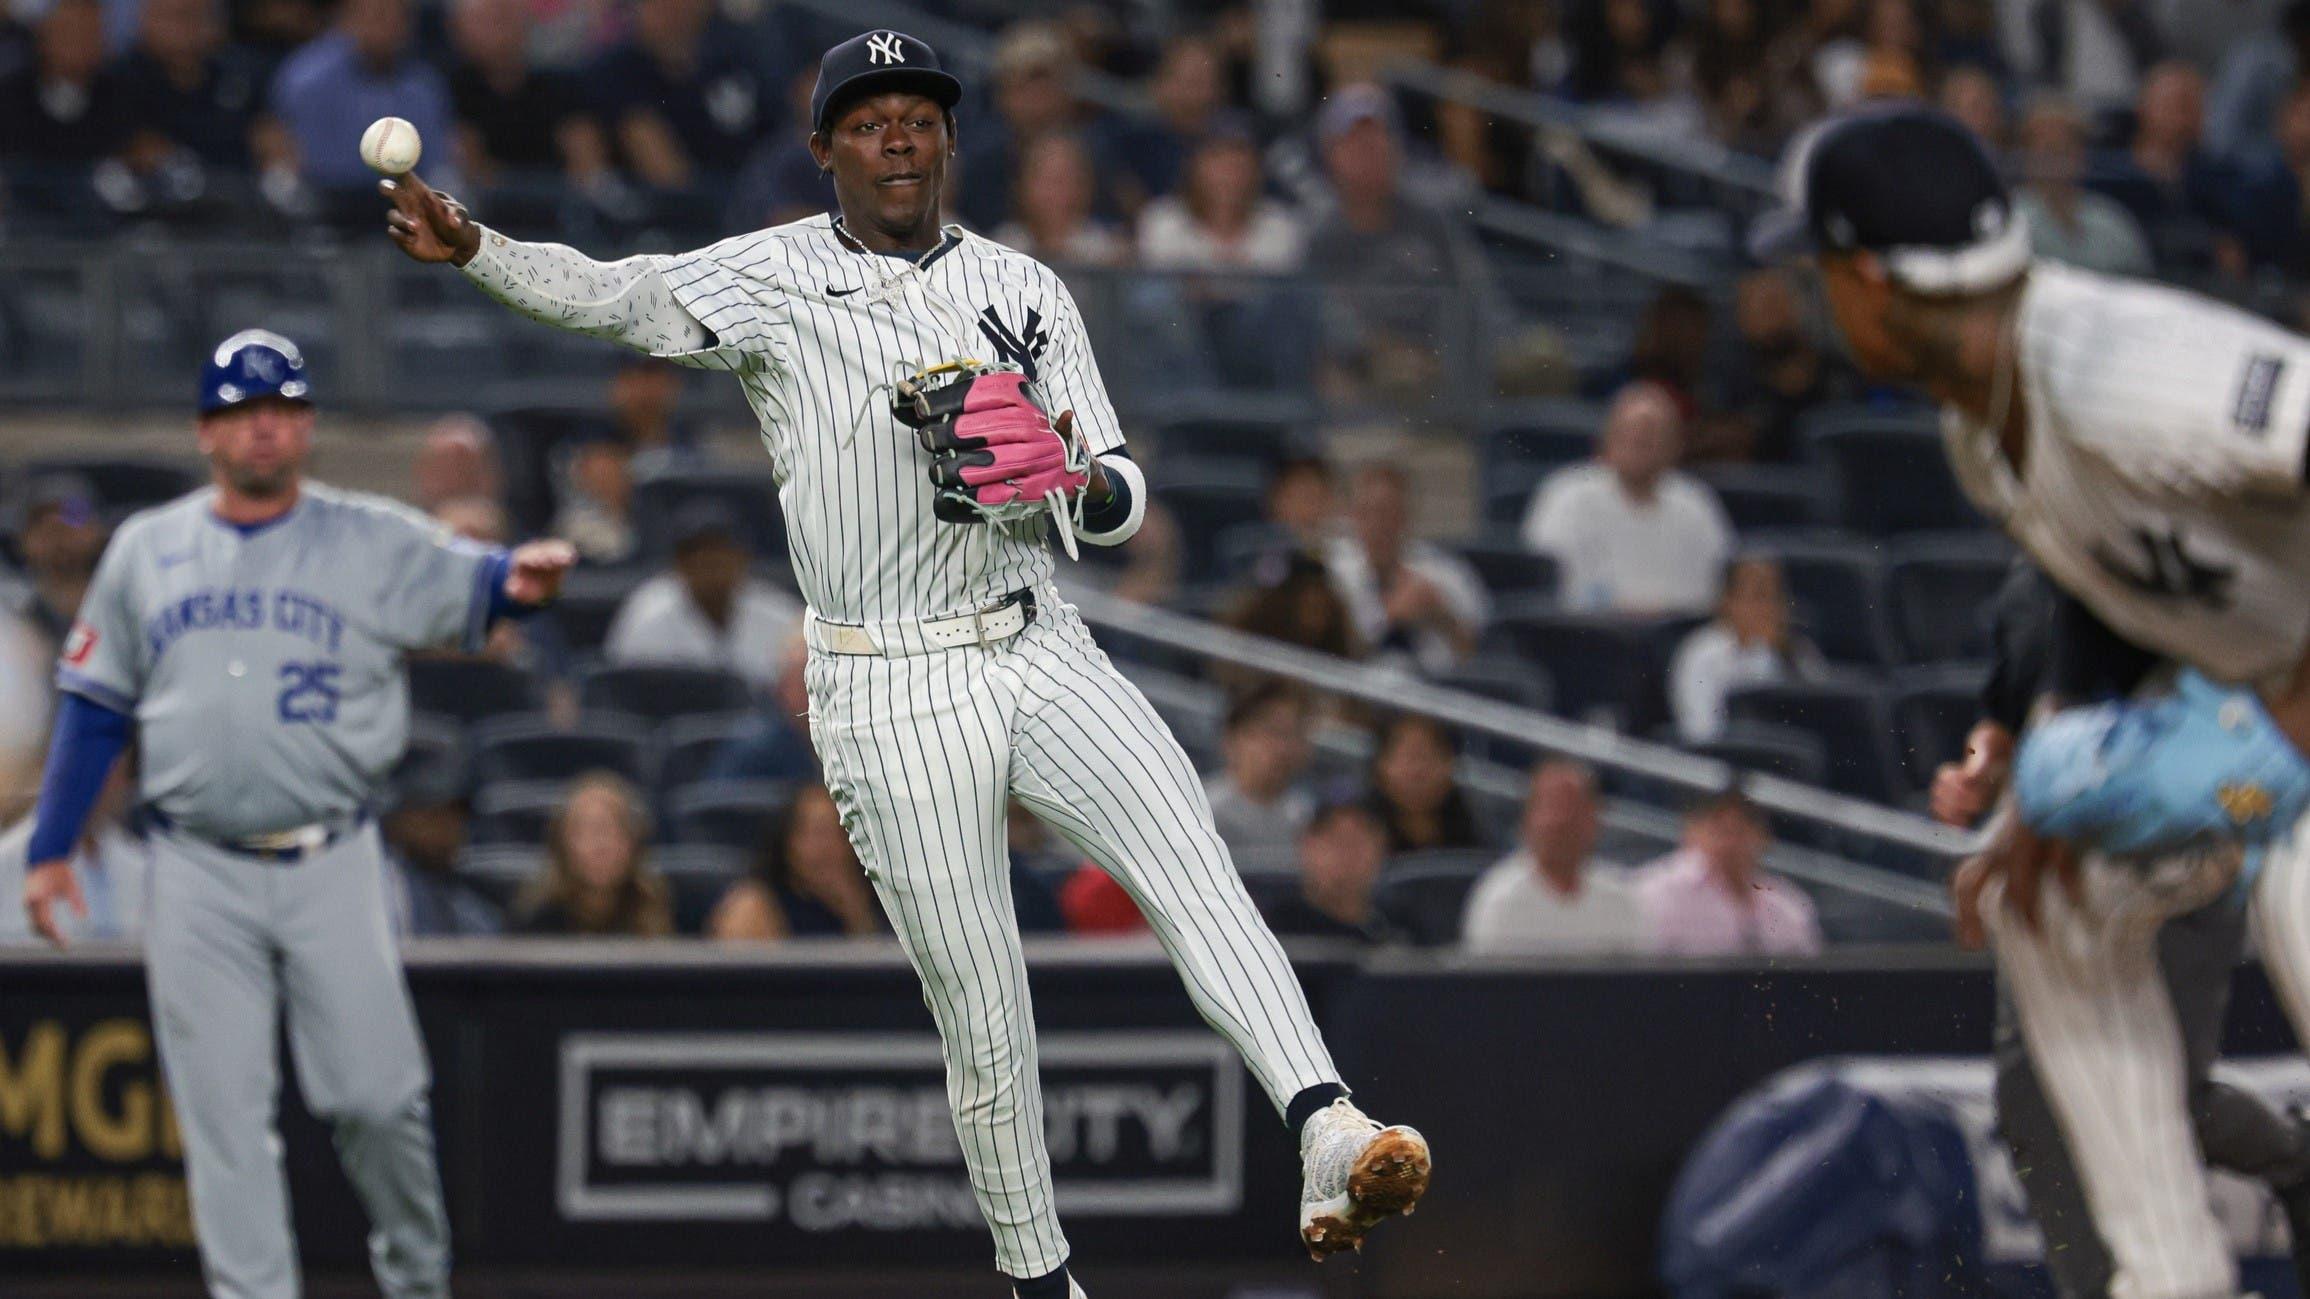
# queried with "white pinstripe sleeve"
point(1069, 374)
point(688, 309)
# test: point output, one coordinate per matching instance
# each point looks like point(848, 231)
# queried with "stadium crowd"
point(1715, 534)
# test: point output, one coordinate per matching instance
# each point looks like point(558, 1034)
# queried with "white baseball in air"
point(391, 145)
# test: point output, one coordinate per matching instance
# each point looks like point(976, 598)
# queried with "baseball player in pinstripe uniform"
point(249, 637)
point(945, 676)
point(2146, 448)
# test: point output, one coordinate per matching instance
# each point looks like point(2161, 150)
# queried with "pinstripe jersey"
point(816, 330)
point(2163, 484)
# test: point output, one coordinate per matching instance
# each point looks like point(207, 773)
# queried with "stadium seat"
point(1782, 751)
point(1768, 496)
point(698, 875)
point(531, 747)
point(123, 484)
point(589, 603)
point(687, 746)
point(1423, 894)
point(1504, 677)
point(1838, 589)
point(1603, 665)
point(1890, 474)
point(1939, 593)
point(500, 869)
point(1507, 495)
point(516, 812)
point(434, 741)
point(1205, 503)
point(1245, 442)
point(750, 494)
point(469, 689)
point(1934, 708)
point(1508, 567)
point(1850, 719)
point(732, 813)
point(658, 690)
point(529, 439)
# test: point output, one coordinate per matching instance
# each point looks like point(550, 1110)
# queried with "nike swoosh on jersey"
point(833, 292)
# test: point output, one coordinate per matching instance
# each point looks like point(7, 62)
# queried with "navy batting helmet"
point(251, 364)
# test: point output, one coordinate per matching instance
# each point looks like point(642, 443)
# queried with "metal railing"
point(1866, 830)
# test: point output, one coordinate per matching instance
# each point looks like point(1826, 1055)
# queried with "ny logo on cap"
point(883, 47)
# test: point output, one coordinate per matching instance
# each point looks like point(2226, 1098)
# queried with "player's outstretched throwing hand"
point(427, 224)
point(535, 570)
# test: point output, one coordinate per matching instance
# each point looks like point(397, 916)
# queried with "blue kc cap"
point(251, 364)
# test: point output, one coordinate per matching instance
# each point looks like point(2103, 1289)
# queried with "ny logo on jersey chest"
point(1022, 347)
point(2161, 565)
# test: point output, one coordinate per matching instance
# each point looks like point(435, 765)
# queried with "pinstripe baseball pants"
point(921, 754)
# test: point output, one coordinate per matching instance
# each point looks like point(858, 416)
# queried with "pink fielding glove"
point(1000, 448)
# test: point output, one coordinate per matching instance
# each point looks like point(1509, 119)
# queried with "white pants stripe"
point(922, 754)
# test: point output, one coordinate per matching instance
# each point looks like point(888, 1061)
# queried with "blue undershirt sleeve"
point(89, 739)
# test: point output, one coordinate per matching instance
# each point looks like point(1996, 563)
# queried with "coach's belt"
point(290, 845)
point(898, 637)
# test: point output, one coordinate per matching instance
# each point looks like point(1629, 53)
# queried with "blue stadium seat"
point(1851, 720)
point(1838, 588)
point(1783, 751)
point(529, 439)
point(500, 869)
point(698, 875)
point(1939, 591)
point(1934, 708)
point(663, 690)
point(1769, 496)
point(687, 746)
point(1423, 894)
point(1507, 567)
point(123, 484)
point(589, 602)
point(1507, 495)
point(1244, 441)
point(1504, 677)
point(750, 494)
point(1890, 474)
point(516, 812)
point(532, 747)
point(469, 689)
point(1206, 500)
point(732, 813)
point(1602, 664)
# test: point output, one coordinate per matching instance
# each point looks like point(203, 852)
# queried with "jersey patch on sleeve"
point(2251, 411)
point(79, 645)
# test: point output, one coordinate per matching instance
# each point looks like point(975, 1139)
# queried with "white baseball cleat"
point(1357, 1173)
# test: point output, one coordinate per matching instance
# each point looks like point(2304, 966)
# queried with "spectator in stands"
point(1749, 643)
point(1619, 52)
point(1189, 95)
point(1775, 372)
point(2177, 192)
point(1414, 790)
point(645, 401)
point(1221, 219)
point(596, 512)
point(598, 880)
point(775, 744)
point(1970, 94)
point(512, 116)
point(1631, 534)
point(2254, 79)
point(2270, 206)
point(682, 106)
point(425, 830)
point(457, 458)
point(27, 697)
point(62, 107)
point(781, 181)
point(1096, 906)
point(2097, 52)
point(1052, 219)
point(707, 611)
point(1259, 800)
point(2067, 222)
point(188, 92)
point(1966, 38)
point(1410, 599)
point(1731, 44)
point(1550, 897)
point(476, 518)
point(1035, 864)
point(1393, 263)
point(328, 93)
point(1296, 604)
point(1034, 94)
point(1671, 348)
point(1341, 854)
point(1712, 897)
point(112, 862)
point(60, 540)
point(805, 882)
point(1302, 503)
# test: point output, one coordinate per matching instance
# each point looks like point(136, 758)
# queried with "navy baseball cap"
point(251, 364)
point(880, 61)
point(1910, 184)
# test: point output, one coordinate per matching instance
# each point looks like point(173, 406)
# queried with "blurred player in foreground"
point(945, 674)
point(248, 637)
point(2146, 448)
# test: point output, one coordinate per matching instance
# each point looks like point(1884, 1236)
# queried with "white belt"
point(898, 637)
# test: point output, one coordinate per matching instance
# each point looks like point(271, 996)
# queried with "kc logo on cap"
point(883, 47)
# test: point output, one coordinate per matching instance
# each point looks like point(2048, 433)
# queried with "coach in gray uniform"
point(251, 636)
